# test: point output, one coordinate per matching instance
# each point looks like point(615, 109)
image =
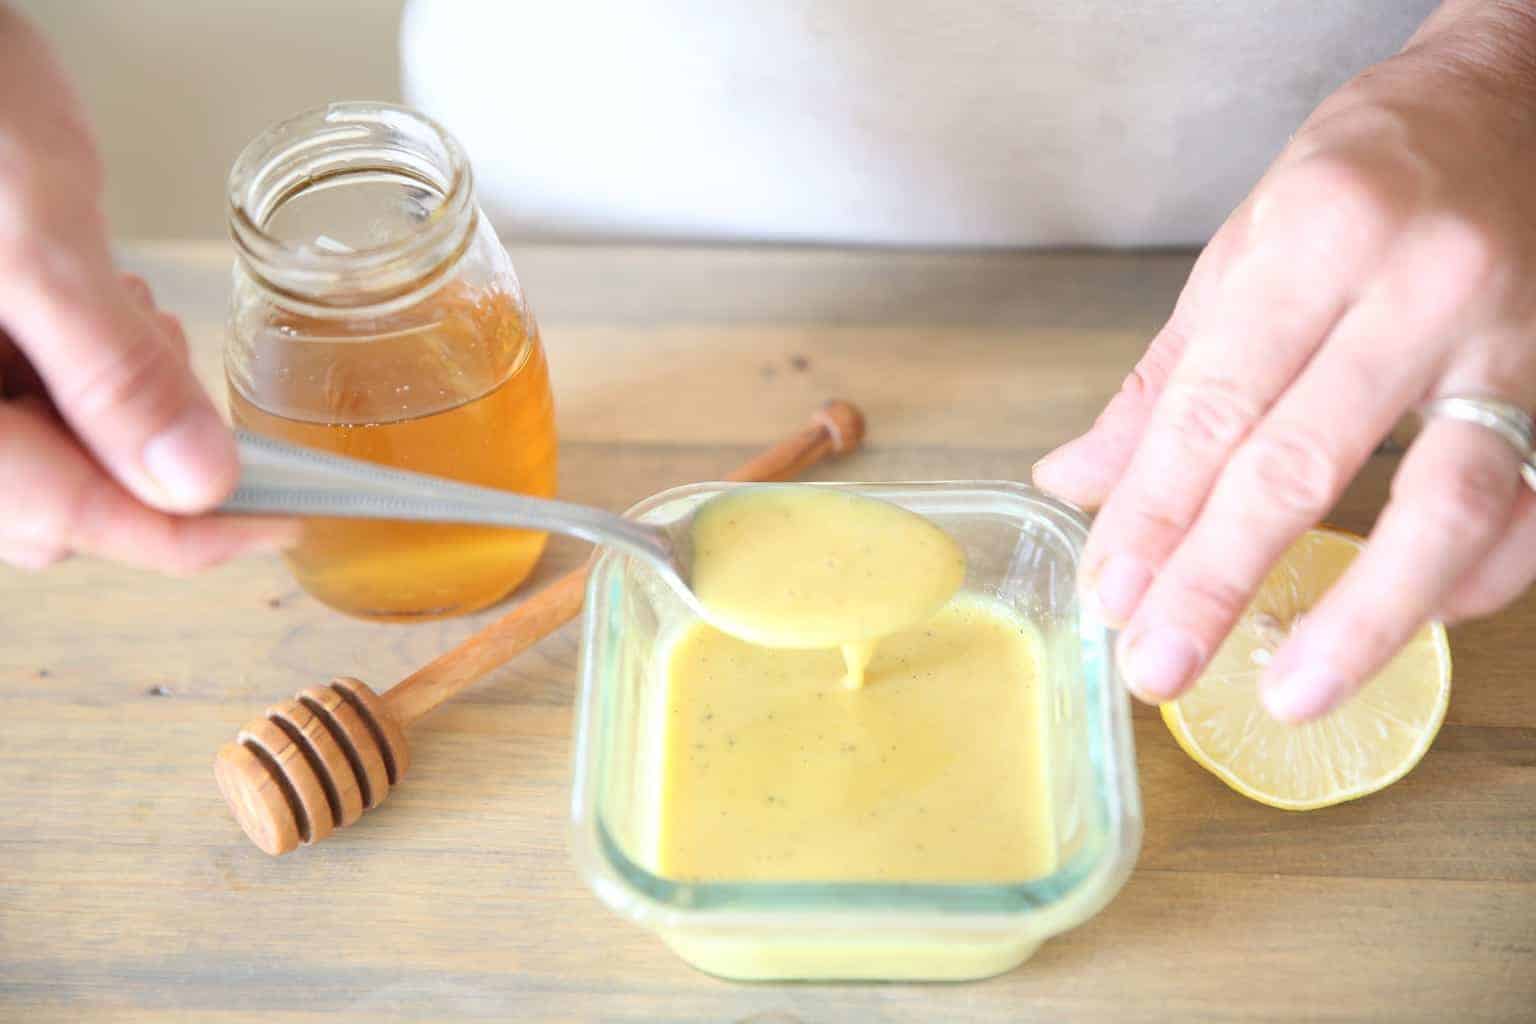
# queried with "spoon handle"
point(277, 478)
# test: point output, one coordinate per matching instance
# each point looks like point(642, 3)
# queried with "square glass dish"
point(1023, 550)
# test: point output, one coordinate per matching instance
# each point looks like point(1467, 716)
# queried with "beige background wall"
point(176, 87)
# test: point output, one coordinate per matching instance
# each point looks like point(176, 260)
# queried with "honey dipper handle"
point(837, 427)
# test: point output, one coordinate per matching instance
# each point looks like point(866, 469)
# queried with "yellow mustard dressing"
point(933, 772)
point(856, 659)
point(808, 567)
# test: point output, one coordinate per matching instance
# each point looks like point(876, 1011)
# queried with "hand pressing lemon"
point(1363, 746)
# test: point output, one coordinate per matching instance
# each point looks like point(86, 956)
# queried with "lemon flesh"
point(1366, 744)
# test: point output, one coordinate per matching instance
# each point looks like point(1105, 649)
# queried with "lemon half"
point(1368, 743)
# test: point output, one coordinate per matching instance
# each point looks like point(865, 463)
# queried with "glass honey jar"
point(375, 315)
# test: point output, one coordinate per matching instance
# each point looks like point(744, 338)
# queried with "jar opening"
point(353, 204)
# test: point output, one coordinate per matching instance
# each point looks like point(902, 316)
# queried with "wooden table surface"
point(127, 893)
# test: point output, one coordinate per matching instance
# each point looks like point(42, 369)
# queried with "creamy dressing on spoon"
point(810, 567)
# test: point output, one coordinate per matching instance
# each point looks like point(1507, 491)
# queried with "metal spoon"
point(285, 479)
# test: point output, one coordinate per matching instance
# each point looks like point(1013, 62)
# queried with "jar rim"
point(291, 157)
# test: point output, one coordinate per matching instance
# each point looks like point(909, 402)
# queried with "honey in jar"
point(376, 316)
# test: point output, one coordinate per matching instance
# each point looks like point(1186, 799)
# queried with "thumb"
point(121, 386)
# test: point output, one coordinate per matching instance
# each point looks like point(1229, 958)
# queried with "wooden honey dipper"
point(316, 763)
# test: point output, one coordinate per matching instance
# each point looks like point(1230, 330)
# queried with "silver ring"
point(1506, 419)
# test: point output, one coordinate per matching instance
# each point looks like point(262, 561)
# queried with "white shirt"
point(900, 122)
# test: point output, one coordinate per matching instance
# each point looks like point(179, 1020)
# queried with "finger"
point(1296, 462)
point(64, 501)
point(174, 333)
point(1320, 238)
point(123, 389)
point(138, 290)
point(29, 557)
point(1507, 572)
point(1452, 500)
point(1084, 470)
point(169, 324)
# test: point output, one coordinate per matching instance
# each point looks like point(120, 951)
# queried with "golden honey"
point(457, 387)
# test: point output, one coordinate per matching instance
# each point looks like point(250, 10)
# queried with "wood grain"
point(127, 894)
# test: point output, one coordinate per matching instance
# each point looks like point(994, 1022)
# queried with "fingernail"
point(1158, 662)
point(1118, 586)
point(190, 461)
point(1302, 695)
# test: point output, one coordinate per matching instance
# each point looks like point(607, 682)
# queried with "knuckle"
point(175, 332)
point(1294, 470)
point(1138, 386)
point(129, 375)
point(137, 287)
point(71, 512)
point(1147, 378)
point(1469, 254)
point(1469, 504)
point(1476, 598)
point(1155, 524)
point(1209, 601)
point(1333, 199)
point(52, 507)
point(1349, 194)
point(1373, 638)
point(1211, 414)
point(1479, 491)
point(1137, 393)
